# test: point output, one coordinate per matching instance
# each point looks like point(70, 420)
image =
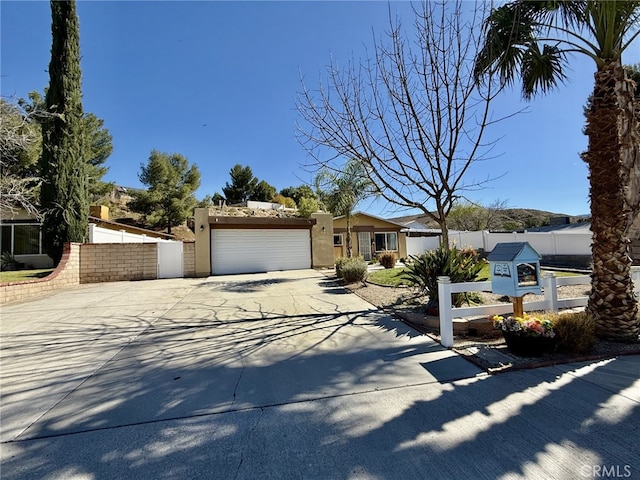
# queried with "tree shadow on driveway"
point(254, 393)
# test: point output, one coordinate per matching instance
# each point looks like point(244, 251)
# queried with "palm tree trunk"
point(349, 244)
point(611, 303)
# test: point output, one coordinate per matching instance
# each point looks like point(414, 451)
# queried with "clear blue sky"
point(217, 82)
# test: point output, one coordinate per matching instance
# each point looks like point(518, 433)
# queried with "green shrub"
point(575, 332)
point(307, 206)
point(353, 270)
point(387, 259)
point(459, 265)
point(339, 264)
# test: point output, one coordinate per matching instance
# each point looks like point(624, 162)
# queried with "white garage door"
point(251, 251)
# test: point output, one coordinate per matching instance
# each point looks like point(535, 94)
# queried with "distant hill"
point(508, 219)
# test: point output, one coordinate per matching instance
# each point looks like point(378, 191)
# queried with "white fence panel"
point(105, 235)
point(466, 239)
point(543, 243)
point(419, 245)
point(573, 243)
point(492, 239)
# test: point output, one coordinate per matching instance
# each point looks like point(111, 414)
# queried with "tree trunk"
point(611, 303)
point(348, 239)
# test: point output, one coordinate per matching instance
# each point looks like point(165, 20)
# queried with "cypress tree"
point(64, 194)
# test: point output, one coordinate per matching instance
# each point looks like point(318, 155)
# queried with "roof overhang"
point(221, 221)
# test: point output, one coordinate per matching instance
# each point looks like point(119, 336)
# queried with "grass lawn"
point(392, 277)
point(24, 275)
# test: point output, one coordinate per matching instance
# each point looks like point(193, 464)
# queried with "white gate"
point(170, 260)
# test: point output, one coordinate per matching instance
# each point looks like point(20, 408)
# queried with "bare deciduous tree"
point(18, 141)
point(413, 115)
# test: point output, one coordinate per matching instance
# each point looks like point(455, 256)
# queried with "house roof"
point(509, 251)
point(371, 216)
point(565, 228)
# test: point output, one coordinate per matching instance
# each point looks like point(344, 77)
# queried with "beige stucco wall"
point(202, 243)
point(322, 241)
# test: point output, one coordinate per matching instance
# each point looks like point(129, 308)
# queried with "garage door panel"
point(251, 251)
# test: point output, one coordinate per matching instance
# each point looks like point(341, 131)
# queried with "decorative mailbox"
point(515, 269)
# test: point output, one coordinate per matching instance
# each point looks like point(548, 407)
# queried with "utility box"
point(515, 269)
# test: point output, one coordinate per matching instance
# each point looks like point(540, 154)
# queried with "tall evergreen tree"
point(63, 194)
point(242, 185)
point(172, 182)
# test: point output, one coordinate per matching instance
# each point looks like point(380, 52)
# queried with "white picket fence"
point(545, 243)
point(104, 235)
point(551, 302)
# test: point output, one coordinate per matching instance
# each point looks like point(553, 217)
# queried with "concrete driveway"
point(285, 375)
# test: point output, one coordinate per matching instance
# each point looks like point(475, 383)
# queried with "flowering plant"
point(526, 326)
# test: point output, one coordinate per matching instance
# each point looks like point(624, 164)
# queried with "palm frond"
point(541, 70)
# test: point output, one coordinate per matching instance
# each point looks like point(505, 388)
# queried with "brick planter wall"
point(66, 274)
point(95, 263)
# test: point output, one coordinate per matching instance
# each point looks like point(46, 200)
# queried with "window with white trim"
point(337, 240)
point(386, 241)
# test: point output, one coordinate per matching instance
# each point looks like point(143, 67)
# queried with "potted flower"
point(526, 336)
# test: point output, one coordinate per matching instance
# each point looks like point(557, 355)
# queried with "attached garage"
point(251, 250)
point(251, 240)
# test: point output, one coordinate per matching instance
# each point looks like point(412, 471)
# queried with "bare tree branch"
point(412, 114)
point(18, 190)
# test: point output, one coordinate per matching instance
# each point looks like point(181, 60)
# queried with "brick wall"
point(113, 262)
point(189, 259)
point(65, 275)
point(98, 262)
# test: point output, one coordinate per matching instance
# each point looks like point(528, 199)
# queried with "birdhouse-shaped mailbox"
point(515, 269)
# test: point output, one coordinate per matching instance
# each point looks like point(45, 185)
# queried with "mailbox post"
point(515, 271)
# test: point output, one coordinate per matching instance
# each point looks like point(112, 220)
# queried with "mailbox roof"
point(509, 251)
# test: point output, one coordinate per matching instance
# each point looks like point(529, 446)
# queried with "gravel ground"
point(402, 299)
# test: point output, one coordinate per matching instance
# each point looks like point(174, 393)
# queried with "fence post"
point(550, 285)
point(635, 276)
point(92, 232)
point(444, 309)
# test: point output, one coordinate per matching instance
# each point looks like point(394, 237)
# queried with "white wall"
point(104, 235)
point(545, 243)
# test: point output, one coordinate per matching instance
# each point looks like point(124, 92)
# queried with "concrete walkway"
point(285, 375)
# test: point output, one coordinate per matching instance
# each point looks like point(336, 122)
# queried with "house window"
point(386, 241)
point(337, 239)
point(21, 239)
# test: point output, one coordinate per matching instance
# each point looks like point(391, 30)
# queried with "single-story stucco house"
point(370, 236)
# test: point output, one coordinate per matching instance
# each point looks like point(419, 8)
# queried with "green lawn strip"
point(24, 275)
point(392, 277)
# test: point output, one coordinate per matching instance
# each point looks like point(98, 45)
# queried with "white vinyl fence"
point(545, 243)
point(104, 235)
point(551, 302)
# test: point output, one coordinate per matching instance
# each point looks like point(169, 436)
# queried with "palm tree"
point(532, 40)
point(340, 192)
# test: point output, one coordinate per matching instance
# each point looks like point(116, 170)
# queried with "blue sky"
point(217, 82)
